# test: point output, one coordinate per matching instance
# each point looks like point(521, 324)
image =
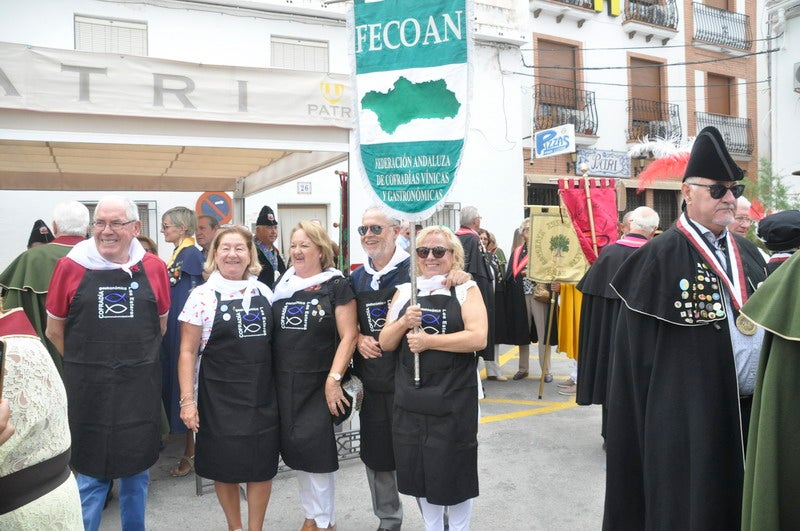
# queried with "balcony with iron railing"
point(737, 132)
point(654, 119)
point(721, 27)
point(555, 105)
point(662, 13)
point(651, 18)
point(560, 9)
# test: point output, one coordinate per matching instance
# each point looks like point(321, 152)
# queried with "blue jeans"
point(132, 499)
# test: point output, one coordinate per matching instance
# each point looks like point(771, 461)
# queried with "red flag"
point(604, 211)
point(756, 210)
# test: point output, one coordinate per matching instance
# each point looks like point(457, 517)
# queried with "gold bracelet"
point(188, 404)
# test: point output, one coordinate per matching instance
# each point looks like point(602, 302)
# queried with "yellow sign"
point(613, 7)
point(554, 254)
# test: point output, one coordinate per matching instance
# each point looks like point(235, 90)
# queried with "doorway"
point(290, 215)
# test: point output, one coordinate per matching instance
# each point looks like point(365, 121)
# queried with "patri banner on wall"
point(69, 81)
point(412, 91)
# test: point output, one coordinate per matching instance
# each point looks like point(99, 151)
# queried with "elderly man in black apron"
point(107, 311)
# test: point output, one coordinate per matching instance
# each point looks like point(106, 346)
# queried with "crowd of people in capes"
point(261, 360)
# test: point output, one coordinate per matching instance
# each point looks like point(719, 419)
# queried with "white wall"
point(786, 156)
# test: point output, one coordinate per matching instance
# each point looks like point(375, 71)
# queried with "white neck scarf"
point(221, 284)
point(403, 296)
point(290, 283)
point(398, 256)
point(86, 254)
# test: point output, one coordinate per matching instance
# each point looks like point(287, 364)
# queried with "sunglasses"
point(438, 252)
point(716, 191)
point(376, 229)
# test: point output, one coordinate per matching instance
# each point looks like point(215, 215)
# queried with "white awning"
point(110, 122)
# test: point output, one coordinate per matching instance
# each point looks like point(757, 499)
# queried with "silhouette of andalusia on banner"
point(412, 88)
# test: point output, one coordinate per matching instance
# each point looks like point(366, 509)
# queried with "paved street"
point(541, 468)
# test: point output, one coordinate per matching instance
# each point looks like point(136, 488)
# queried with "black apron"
point(239, 435)
point(377, 374)
point(112, 374)
point(305, 344)
point(436, 426)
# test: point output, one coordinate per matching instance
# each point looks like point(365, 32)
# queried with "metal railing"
point(561, 105)
point(654, 119)
point(664, 14)
point(722, 27)
point(586, 4)
point(737, 132)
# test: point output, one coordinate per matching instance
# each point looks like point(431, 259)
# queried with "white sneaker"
point(569, 382)
point(568, 391)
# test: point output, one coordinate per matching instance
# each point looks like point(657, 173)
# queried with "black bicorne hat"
point(710, 158)
point(266, 217)
point(40, 233)
point(780, 231)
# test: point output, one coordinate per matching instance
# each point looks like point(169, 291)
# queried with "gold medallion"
point(745, 325)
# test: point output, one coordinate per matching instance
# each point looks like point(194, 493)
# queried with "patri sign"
point(412, 88)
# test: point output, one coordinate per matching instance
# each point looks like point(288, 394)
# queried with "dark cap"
point(266, 217)
point(780, 231)
point(710, 158)
point(40, 233)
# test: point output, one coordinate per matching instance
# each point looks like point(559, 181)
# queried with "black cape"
point(674, 442)
point(514, 327)
point(477, 264)
point(599, 308)
point(267, 275)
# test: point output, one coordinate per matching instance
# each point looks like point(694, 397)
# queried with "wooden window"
point(558, 62)
point(107, 35)
point(299, 54)
point(719, 94)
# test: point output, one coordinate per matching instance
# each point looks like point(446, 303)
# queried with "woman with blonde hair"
point(315, 335)
point(436, 425)
point(185, 269)
point(234, 413)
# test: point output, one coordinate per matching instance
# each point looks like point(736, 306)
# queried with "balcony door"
point(719, 94)
point(646, 109)
point(558, 99)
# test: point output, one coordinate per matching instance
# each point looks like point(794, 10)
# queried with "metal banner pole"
point(412, 238)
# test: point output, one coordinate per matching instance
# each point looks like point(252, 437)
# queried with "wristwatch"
point(336, 376)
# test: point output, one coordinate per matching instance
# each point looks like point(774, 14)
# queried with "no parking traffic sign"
point(217, 204)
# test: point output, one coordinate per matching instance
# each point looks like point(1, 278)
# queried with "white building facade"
point(162, 100)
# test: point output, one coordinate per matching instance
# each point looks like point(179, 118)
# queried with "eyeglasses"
point(744, 220)
point(438, 252)
point(115, 225)
point(376, 229)
point(716, 191)
point(165, 226)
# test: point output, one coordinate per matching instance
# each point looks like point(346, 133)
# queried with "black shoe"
point(520, 375)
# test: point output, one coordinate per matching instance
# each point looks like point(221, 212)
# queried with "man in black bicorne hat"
point(684, 360)
point(40, 234)
point(268, 255)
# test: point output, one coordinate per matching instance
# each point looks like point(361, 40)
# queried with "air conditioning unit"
point(797, 77)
